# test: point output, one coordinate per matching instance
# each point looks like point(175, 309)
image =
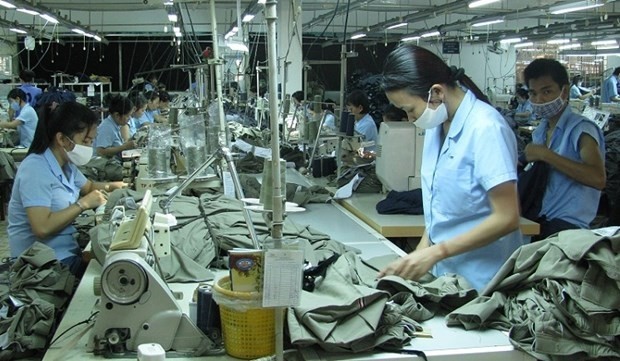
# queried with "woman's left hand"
point(413, 266)
point(115, 185)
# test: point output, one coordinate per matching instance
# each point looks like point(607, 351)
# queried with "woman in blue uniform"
point(109, 141)
point(49, 192)
point(469, 170)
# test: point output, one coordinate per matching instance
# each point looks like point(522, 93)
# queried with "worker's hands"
point(94, 199)
point(130, 144)
point(110, 186)
point(534, 152)
point(414, 265)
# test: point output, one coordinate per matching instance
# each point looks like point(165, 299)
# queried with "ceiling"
point(324, 21)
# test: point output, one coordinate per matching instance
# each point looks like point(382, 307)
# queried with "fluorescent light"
point(576, 6)
point(603, 47)
point(7, 4)
point(410, 38)
point(247, 18)
point(510, 41)
point(173, 17)
point(396, 26)
point(262, 1)
point(176, 29)
point(79, 31)
point(237, 46)
point(430, 33)
point(477, 3)
point(178, 35)
point(569, 46)
point(28, 11)
point(357, 36)
point(49, 18)
point(604, 42)
point(19, 31)
point(523, 45)
point(97, 37)
point(488, 22)
point(558, 41)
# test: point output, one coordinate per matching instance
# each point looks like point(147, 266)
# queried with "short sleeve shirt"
point(29, 119)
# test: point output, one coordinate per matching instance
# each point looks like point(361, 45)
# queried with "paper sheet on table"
point(346, 190)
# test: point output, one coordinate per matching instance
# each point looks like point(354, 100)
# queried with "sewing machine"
point(136, 306)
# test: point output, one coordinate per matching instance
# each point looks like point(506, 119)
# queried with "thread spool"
point(207, 312)
point(158, 162)
point(343, 122)
point(317, 104)
point(195, 157)
point(173, 116)
point(266, 188)
point(350, 125)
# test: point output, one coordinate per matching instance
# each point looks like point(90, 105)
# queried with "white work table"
point(363, 206)
point(445, 344)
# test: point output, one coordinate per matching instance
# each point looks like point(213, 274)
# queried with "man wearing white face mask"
point(26, 121)
point(49, 192)
point(469, 170)
point(571, 144)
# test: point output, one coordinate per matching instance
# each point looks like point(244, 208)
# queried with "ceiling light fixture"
point(410, 38)
point(399, 25)
point(576, 6)
point(237, 45)
point(487, 22)
point(78, 31)
point(603, 47)
point(19, 31)
point(28, 11)
point(523, 45)
point(173, 18)
point(604, 42)
point(247, 18)
point(558, 41)
point(478, 3)
point(431, 33)
point(511, 40)
point(49, 18)
point(358, 36)
point(7, 5)
point(569, 46)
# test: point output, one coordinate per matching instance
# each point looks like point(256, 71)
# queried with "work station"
point(310, 180)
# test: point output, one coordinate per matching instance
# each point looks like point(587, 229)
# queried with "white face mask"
point(549, 109)
point(431, 118)
point(80, 154)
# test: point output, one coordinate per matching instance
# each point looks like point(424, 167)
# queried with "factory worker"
point(357, 104)
point(109, 141)
point(469, 170)
point(152, 113)
point(26, 121)
point(49, 192)
point(577, 91)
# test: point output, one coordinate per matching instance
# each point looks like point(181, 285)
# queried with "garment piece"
point(368, 129)
point(479, 153)
point(29, 119)
point(562, 192)
point(609, 89)
point(559, 298)
point(40, 182)
point(407, 202)
point(531, 186)
point(108, 134)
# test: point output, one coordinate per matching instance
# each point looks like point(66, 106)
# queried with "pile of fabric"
point(558, 298)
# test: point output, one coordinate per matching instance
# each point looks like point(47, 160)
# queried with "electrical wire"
point(88, 320)
point(326, 27)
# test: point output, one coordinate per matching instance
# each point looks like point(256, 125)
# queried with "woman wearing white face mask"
point(469, 175)
point(49, 192)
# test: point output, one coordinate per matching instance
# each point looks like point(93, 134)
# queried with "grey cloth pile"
point(558, 298)
point(33, 294)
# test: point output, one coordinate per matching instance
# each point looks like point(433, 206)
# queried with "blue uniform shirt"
point(526, 106)
point(368, 129)
point(610, 89)
point(29, 119)
point(108, 134)
point(40, 182)
point(32, 93)
point(565, 198)
point(479, 153)
point(575, 93)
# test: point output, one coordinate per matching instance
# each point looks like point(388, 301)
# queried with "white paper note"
point(282, 278)
point(229, 186)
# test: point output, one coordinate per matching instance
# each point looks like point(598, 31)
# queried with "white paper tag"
point(90, 91)
point(262, 152)
point(282, 278)
point(229, 186)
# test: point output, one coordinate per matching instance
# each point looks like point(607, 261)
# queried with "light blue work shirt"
point(32, 93)
point(134, 125)
point(565, 198)
point(40, 182)
point(108, 134)
point(368, 129)
point(479, 153)
point(610, 89)
point(330, 121)
point(575, 93)
point(526, 106)
point(29, 119)
point(150, 115)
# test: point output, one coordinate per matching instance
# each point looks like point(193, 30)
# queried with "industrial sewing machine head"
point(136, 306)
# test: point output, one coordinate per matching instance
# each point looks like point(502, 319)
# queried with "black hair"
point(27, 75)
point(546, 67)
point(137, 99)
point(152, 76)
point(415, 70)
point(151, 95)
point(120, 104)
point(298, 95)
point(359, 98)
point(617, 71)
point(68, 118)
point(576, 79)
point(393, 113)
point(164, 96)
point(328, 104)
point(523, 93)
point(17, 93)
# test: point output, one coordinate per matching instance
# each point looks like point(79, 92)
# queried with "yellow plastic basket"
point(250, 334)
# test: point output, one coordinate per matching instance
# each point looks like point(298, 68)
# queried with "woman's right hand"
point(94, 199)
